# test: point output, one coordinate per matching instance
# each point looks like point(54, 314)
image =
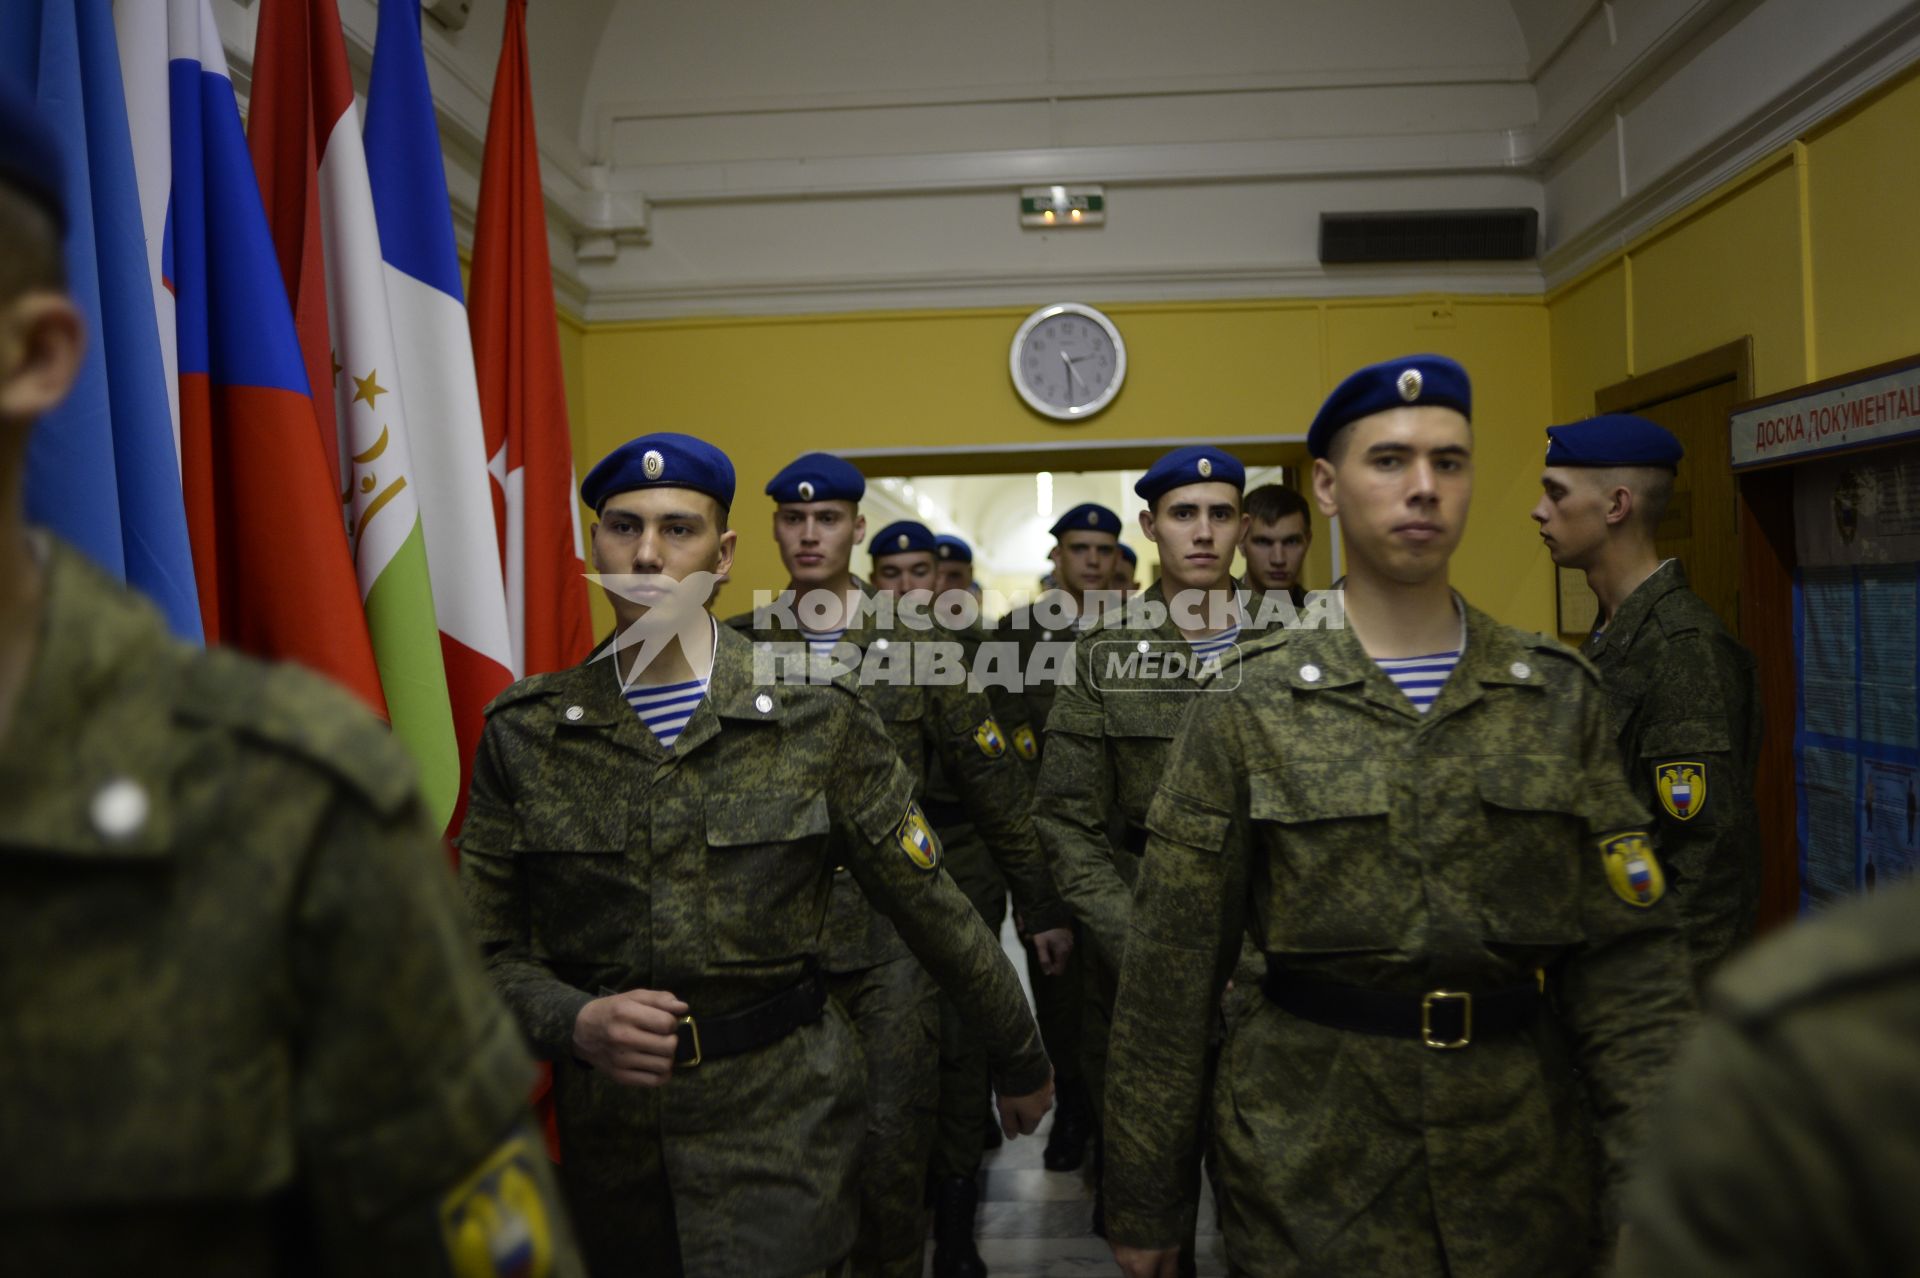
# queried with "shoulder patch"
point(302, 714)
point(1024, 743)
point(1632, 872)
point(917, 840)
point(1682, 787)
point(987, 736)
point(495, 1223)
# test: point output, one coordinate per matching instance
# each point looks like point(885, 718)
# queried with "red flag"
point(523, 403)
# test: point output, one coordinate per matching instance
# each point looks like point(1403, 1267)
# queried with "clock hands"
point(1068, 361)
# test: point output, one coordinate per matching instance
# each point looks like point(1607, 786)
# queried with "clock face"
point(1068, 361)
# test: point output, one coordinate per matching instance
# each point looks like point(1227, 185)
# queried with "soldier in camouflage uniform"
point(1790, 1139)
point(242, 1028)
point(953, 747)
point(1107, 737)
point(1126, 571)
point(1279, 532)
point(1454, 889)
point(652, 893)
point(1086, 547)
point(1683, 692)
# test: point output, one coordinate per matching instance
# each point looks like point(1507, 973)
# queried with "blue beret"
point(818, 477)
point(1618, 439)
point(1086, 517)
point(899, 538)
point(952, 549)
point(661, 460)
point(1126, 553)
point(30, 154)
point(1194, 464)
point(1398, 383)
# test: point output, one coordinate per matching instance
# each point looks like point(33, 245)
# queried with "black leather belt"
point(945, 812)
point(705, 1038)
point(1441, 1019)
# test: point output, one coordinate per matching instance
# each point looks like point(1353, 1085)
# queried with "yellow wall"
point(1811, 251)
point(767, 389)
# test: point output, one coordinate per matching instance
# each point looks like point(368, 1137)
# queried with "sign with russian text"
point(1872, 409)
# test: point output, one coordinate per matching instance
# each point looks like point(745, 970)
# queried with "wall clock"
point(1068, 361)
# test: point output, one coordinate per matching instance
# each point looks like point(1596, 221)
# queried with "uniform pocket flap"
point(1672, 737)
point(1178, 818)
point(1526, 784)
point(1329, 790)
point(740, 820)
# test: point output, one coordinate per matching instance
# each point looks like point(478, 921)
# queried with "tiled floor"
point(1034, 1222)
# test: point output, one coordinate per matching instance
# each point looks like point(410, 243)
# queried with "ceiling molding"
point(1870, 63)
point(967, 289)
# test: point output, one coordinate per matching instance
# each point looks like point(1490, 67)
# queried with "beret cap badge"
point(653, 463)
point(1205, 467)
point(806, 490)
point(903, 541)
point(1411, 384)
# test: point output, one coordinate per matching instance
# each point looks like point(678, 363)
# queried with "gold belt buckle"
point(694, 1027)
point(1427, 1001)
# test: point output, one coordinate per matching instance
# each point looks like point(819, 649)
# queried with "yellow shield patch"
point(1682, 788)
point(916, 839)
point(495, 1222)
point(1632, 870)
point(1023, 743)
point(987, 737)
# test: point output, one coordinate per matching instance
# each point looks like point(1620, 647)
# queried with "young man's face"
point(1572, 514)
point(1083, 561)
point(902, 575)
point(951, 574)
point(652, 538)
point(1276, 551)
point(816, 539)
point(1125, 575)
point(1400, 483)
point(1196, 527)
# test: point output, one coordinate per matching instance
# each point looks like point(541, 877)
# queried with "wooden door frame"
point(1764, 543)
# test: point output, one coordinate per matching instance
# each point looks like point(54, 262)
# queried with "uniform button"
point(575, 714)
point(763, 703)
point(1310, 673)
point(1046, 634)
point(839, 869)
point(1520, 669)
point(881, 644)
point(1145, 646)
point(119, 808)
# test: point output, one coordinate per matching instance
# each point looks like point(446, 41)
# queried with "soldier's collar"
point(86, 737)
point(1637, 608)
point(736, 690)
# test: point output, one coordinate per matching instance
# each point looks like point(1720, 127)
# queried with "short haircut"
point(1271, 503)
point(33, 260)
point(1651, 486)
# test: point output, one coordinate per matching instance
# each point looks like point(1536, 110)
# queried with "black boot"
point(954, 1255)
point(1072, 1127)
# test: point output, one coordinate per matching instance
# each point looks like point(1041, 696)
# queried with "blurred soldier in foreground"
point(1790, 1139)
point(1422, 820)
point(649, 855)
point(242, 1028)
point(1683, 693)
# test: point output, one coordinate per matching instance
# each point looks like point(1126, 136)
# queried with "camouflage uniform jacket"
point(242, 1027)
point(1044, 654)
point(596, 860)
point(1368, 844)
point(1686, 710)
point(958, 753)
point(1107, 740)
point(1790, 1139)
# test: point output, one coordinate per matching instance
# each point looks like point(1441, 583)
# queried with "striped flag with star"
point(436, 364)
point(263, 517)
point(304, 132)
